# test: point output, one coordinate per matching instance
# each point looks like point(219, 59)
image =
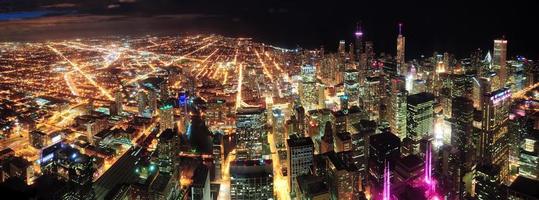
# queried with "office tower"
point(384, 147)
point(351, 86)
point(420, 118)
point(360, 146)
point(499, 59)
point(321, 96)
point(152, 101)
point(251, 179)
point(359, 49)
point(37, 139)
point(351, 55)
point(166, 117)
point(342, 48)
point(369, 51)
point(299, 112)
point(310, 187)
point(343, 142)
point(397, 107)
point(488, 185)
point(278, 124)
point(118, 102)
point(476, 62)
point(300, 158)
point(217, 153)
point(163, 89)
point(167, 149)
point(373, 92)
point(529, 155)
point(342, 177)
point(326, 140)
point(493, 147)
point(251, 130)
point(200, 185)
point(70, 165)
point(94, 126)
point(523, 188)
point(339, 120)
point(330, 70)
point(401, 63)
point(141, 102)
point(461, 129)
point(308, 94)
point(461, 85)
point(17, 167)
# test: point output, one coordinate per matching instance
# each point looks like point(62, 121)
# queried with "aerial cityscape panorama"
point(199, 100)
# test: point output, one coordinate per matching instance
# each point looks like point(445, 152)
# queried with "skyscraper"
point(493, 146)
point(251, 130)
point(351, 86)
point(300, 158)
point(500, 58)
point(308, 94)
point(420, 120)
point(384, 147)
point(251, 179)
point(358, 42)
point(397, 107)
point(166, 117)
point(342, 48)
point(462, 127)
point(401, 63)
point(118, 102)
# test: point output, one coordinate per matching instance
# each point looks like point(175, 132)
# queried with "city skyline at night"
point(240, 100)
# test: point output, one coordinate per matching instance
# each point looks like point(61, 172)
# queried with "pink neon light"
point(386, 195)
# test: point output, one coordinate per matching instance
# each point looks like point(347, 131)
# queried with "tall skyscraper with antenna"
point(358, 42)
point(401, 64)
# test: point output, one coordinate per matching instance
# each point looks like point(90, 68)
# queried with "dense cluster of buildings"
point(261, 122)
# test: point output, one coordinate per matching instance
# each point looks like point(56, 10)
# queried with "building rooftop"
point(302, 141)
point(526, 186)
point(384, 140)
point(420, 98)
point(312, 185)
point(200, 176)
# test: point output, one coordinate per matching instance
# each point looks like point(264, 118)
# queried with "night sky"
point(454, 26)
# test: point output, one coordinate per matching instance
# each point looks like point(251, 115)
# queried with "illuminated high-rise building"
point(384, 147)
point(118, 102)
point(500, 58)
point(401, 63)
point(351, 86)
point(251, 130)
point(342, 48)
point(462, 127)
point(358, 36)
point(529, 156)
point(420, 120)
point(488, 185)
point(251, 179)
point(397, 107)
point(142, 100)
point(278, 126)
point(493, 146)
point(166, 117)
point(360, 146)
point(300, 158)
point(308, 93)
